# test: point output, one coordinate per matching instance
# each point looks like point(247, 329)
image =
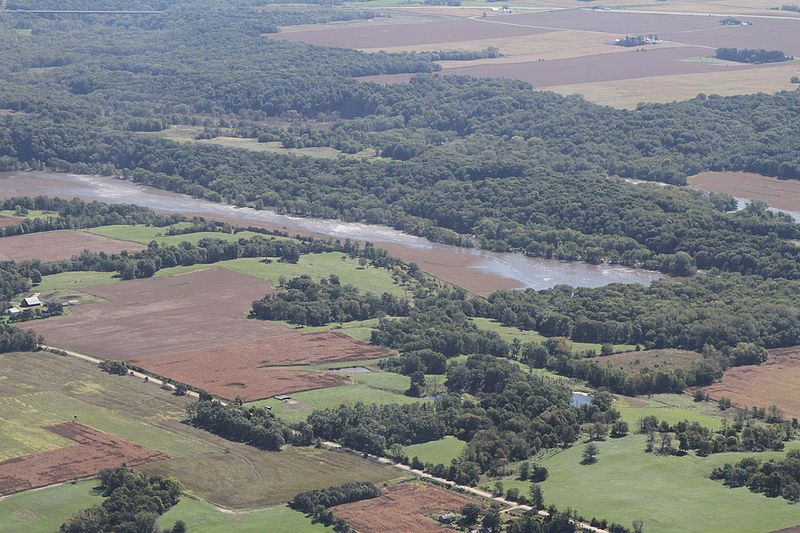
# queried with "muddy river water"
point(477, 270)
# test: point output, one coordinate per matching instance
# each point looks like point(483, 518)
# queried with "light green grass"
point(370, 279)
point(389, 381)
point(632, 413)
point(202, 517)
point(18, 439)
point(39, 409)
point(358, 329)
point(43, 511)
point(67, 282)
point(440, 451)
point(32, 213)
point(188, 134)
point(331, 398)
point(508, 333)
point(146, 234)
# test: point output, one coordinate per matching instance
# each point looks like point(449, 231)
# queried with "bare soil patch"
point(782, 194)
point(194, 329)
point(57, 245)
point(777, 382)
point(652, 359)
point(437, 34)
point(93, 451)
point(404, 508)
point(9, 221)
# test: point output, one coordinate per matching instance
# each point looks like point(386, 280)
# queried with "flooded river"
point(477, 270)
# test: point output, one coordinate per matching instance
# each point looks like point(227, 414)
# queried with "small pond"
point(579, 399)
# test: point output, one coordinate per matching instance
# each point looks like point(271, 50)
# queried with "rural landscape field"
point(381, 266)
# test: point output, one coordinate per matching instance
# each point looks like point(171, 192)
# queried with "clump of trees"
point(637, 40)
point(757, 56)
point(118, 368)
point(303, 301)
point(255, 426)
point(13, 339)
point(773, 478)
point(316, 503)
point(134, 501)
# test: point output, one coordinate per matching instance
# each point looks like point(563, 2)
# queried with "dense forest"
point(462, 157)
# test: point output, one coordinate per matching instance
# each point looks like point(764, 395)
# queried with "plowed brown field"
point(775, 382)
point(57, 245)
point(194, 329)
point(93, 451)
point(401, 509)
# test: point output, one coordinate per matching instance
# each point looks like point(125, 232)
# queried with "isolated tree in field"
point(590, 453)
point(598, 431)
point(638, 526)
point(538, 473)
point(179, 527)
point(619, 429)
point(470, 514)
point(537, 497)
point(724, 403)
point(524, 470)
point(606, 349)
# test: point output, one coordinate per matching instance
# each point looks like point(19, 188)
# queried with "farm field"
point(508, 333)
point(146, 234)
point(137, 321)
point(627, 484)
point(56, 245)
point(6, 220)
point(775, 382)
point(436, 452)
point(404, 507)
point(202, 517)
point(653, 359)
point(43, 511)
point(91, 452)
point(188, 134)
point(782, 194)
point(568, 51)
point(43, 389)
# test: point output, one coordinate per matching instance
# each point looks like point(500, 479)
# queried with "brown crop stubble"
point(93, 452)
point(57, 245)
point(193, 328)
point(402, 508)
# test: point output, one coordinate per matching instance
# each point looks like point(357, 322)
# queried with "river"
point(480, 271)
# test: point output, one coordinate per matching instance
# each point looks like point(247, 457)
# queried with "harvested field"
point(402, 508)
point(57, 245)
point(775, 382)
point(629, 93)
point(193, 328)
point(782, 194)
point(652, 359)
point(93, 452)
point(9, 221)
point(393, 35)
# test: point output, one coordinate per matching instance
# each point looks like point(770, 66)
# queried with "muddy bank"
point(476, 270)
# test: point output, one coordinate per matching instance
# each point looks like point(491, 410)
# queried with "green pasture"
point(440, 451)
point(43, 511)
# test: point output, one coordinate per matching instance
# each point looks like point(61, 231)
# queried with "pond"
point(579, 399)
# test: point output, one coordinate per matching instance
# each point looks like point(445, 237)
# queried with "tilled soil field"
point(57, 245)
point(402, 508)
point(775, 382)
point(193, 328)
point(93, 452)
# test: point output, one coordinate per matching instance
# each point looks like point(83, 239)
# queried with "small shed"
point(14, 311)
point(30, 301)
point(283, 397)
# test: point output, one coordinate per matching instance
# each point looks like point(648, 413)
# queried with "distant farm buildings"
point(30, 301)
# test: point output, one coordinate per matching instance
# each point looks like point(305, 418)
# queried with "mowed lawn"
point(667, 493)
point(43, 511)
point(440, 451)
point(508, 333)
point(202, 517)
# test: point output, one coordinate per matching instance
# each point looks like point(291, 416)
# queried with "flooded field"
point(477, 270)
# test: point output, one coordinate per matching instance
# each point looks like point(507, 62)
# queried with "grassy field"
point(146, 234)
point(370, 279)
point(508, 333)
point(358, 329)
point(38, 389)
point(627, 484)
point(202, 517)
point(440, 451)
point(43, 511)
point(303, 403)
point(188, 134)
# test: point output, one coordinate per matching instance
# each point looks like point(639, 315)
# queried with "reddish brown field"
point(9, 221)
point(193, 328)
point(634, 361)
point(775, 382)
point(56, 245)
point(402, 509)
point(388, 35)
point(93, 451)
point(782, 194)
